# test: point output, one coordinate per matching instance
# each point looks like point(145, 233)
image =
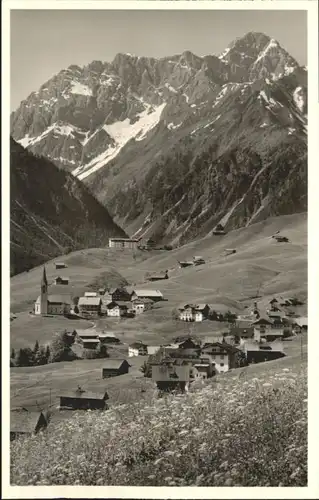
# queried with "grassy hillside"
point(245, 428)
point(224, 282)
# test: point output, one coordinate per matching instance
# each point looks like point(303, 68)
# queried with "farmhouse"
point(141, 305)
point(117, 309)
point(60, 265)
point(268, 329)
point(258, 353)
point(120, 243)
point(189, 314)
point(109, 338)
point(26, 423)
point(84, 400)
point(137, 349)
point(154, 295)
point(223, 356)
point(170, 376)
point(158, 277)
point(90, 343)
point(115, 367)
point(88, 333)
point(200, 308)
point(242, 330)
point(119, 294)
point(90, 305)
point(61, 280)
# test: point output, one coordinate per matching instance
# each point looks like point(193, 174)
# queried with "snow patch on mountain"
point(79, 88)
point(271, 44)
point(223, 54)
point(122, 132)
point(298, 98)
point(56, 128)
point(169, 87)
point(171, 126)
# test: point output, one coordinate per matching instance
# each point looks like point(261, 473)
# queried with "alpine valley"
point(174, 146)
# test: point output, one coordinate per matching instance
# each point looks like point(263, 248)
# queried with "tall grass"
point(230, 432)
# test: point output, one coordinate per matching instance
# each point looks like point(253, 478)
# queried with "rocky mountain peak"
point(143, 132)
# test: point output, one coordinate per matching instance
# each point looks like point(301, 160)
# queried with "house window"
point(221, 364)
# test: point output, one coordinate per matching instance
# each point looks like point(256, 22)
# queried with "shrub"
point(60, 348)
point(25, 357)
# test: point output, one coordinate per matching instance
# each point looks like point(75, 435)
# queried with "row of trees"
point(59, 349)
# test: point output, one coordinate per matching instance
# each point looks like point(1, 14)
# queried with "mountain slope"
point(174, 146)
point(51, 212)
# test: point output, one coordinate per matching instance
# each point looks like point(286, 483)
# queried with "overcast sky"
point(45, 41)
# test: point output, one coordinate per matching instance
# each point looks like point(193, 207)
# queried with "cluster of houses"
point(117, 302)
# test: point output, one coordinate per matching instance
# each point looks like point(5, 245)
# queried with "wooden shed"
point(84, 400)
point(26, 423)
point(115, 367)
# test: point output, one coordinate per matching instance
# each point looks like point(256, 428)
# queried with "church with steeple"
point(51, 304)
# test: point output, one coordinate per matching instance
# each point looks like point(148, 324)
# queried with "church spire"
point(44, 278)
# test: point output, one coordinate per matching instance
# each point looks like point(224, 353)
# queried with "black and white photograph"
point(158, 169)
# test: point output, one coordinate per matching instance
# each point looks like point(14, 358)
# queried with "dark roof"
point(59, 299)
point(262, 320)
point(125, 239)
point(23, 421)
point(85, 395)
point(221, 345)
point(87, 333)
point(113, 363)
point(138, 344)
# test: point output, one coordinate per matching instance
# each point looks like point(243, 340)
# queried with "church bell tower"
point(44, 293)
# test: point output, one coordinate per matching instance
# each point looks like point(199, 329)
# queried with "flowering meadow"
point(246, 429)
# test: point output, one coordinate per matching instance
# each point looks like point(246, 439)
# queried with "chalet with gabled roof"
point(26, 423)
point(84, 400)
point(154, 295)
point(90, 305)
point(223, 356)
point(120, 293)
point(115, 367)
point(137, 349)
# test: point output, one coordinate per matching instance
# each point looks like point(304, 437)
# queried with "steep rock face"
point(51, 212)
point(173, 146)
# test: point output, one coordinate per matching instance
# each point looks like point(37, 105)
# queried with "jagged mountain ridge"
point(142, 132)
point(52, 212)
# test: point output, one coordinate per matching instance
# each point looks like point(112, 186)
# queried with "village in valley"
point(139, 338)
